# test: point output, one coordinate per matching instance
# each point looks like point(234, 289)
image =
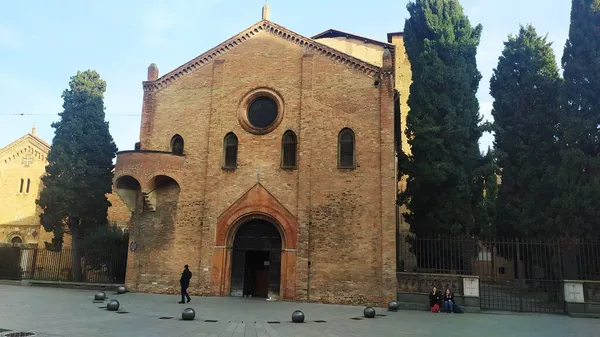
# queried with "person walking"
point(186, 276)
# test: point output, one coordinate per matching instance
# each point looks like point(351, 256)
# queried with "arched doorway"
point(16, 240)
point(256, 259)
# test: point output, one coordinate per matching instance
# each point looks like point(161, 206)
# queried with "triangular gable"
point(263, 26)
point(29, 138)
point(257, 201)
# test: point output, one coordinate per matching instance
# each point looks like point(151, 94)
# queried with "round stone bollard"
point(298, 316)
point(393, 306)
point(369, 312)
point(113, 305)
point(121, 290)
point(188, 314)
point(101, 296)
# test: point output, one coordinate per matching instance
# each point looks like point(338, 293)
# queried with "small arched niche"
point(16, 240)
point(129, 190)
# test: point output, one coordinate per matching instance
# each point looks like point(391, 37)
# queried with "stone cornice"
point(308, 44)
point(32, 139)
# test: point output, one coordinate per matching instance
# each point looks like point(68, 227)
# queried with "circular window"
point(262, 112)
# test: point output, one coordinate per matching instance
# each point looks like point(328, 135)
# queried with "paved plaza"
point(66, 312)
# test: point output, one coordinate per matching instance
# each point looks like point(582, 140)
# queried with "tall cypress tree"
point(577, 212)
point(79, 172)
point(526, 89)
point(444, 188)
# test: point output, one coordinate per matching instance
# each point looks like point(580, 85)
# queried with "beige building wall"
point(22, 163)
point(367, 52)
point(403, 80)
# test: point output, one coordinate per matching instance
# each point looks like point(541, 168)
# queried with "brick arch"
point(244, 219)
point(15, 234)
point(150, 182)
point(123, 174)
point(256, 203)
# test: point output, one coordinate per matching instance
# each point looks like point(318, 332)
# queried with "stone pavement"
point(69, 313)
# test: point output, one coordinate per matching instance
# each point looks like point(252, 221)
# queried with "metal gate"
point(527, 276)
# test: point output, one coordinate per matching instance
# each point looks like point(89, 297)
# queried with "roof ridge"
point(274, 29)
point(331, 30)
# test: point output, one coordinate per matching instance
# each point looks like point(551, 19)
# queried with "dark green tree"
point(80, 162)
point(444, 168)
point(526, 87)
point(106, 251)
point(576, 207)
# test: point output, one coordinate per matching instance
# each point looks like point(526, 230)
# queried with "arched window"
point(289, 145)
point(177, 145)
point(230, 148)
point(346, 156)
point(28, 183)
point(22, 183)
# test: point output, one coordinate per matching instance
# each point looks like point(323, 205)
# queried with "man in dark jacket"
point(186, 276)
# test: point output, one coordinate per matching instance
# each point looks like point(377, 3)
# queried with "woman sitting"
point(435, 300)
point(449, 301)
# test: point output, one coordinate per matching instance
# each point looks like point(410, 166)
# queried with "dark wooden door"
point(261, 282)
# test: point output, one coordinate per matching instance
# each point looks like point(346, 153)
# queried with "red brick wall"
point(349, 213)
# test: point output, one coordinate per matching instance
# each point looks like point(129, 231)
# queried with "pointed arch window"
point(177, 145)
point(289, 150)
point(22, 183)
point(346, 149)
point(230, 149)
point(28, 184)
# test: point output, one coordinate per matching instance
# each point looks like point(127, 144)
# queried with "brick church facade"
point(268, 165)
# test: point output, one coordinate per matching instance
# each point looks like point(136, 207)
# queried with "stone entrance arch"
point(256, 258)
point(256, 205)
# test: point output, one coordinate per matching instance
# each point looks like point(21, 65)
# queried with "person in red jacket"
point(435, 299)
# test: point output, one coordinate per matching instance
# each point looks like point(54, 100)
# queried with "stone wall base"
point(583, 310)
point(420, 301)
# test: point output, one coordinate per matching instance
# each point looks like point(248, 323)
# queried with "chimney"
point(387, 59)
point(152, 72)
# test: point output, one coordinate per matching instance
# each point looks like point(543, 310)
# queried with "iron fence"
point(515, 274)
point(35, 263)
point(561, 258)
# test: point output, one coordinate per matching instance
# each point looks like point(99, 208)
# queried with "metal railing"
point(35, 263)
point(560, 258)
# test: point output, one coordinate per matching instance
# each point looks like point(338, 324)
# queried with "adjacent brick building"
point(268, 165)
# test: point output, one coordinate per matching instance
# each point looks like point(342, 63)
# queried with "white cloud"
point(10, 38)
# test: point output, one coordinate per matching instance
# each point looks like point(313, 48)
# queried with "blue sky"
point(43, 43)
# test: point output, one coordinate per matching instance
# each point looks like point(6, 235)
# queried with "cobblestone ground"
point(65, 312)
